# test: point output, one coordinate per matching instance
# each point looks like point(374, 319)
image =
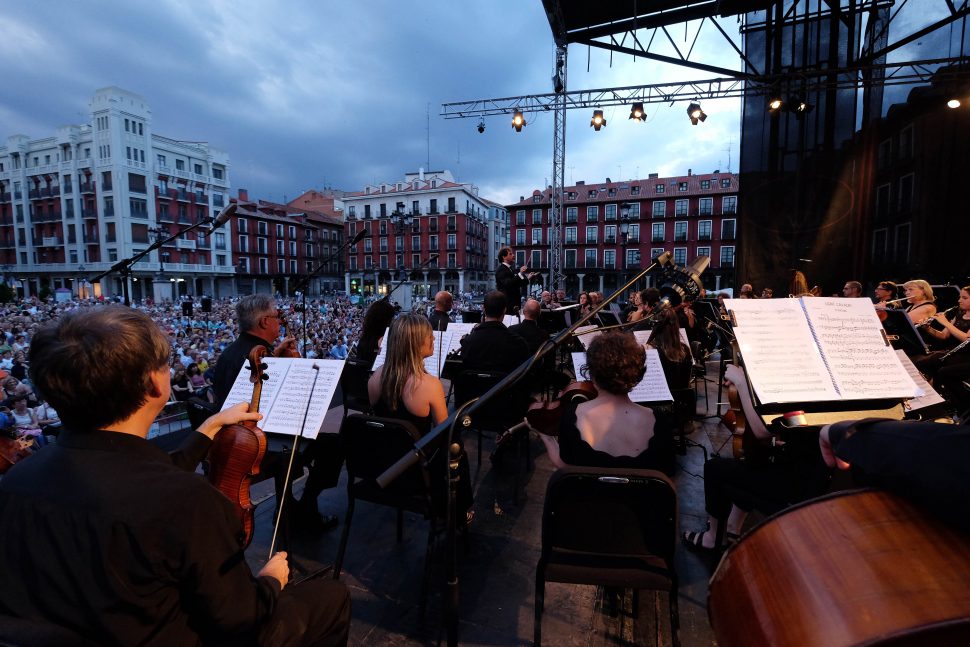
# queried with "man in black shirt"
point(508, 281)
point(108, 537)
point(259, 323)
point(528, 329)
point(443, 302)
point(491, 346)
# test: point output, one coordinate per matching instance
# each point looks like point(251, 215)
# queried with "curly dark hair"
point(616, 362)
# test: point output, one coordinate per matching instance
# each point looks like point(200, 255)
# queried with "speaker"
point(186, 308)
point(206, 304)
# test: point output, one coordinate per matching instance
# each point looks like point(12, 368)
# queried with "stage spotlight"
point(518, 121)
point(953, 103)
point(597, 121)
point(695, 113)
point(800, 106)
point(481, 126)
point(637, 113)
point(775, 105)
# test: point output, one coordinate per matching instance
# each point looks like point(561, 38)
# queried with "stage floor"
point(497, 572)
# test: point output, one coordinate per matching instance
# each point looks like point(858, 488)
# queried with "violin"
point(13, 450)
point(545, 417)
point(237, 450)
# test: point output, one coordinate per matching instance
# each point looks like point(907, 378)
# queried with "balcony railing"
point(657, 239)
point(88, 187)
point(89, 238)
point(680, 238)
point(610, 240)
point(727, 236)
point(703, 237)
point(729, 263)
point(7, 243)
point(5, 197)
point(33, 194)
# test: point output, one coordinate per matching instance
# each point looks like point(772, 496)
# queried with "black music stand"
point(471, 316)
point(607, 318)
point(552, 321)
point(902, 333)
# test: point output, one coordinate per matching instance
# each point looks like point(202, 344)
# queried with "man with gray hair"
point(259, 323)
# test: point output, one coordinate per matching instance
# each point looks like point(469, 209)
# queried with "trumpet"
point(927, 322)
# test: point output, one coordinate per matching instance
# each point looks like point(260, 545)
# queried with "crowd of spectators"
point(333, 326)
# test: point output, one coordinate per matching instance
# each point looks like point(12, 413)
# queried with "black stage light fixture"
point(953, 104)
point(597, 121)
point(800, 106)
point(775, 105)
point(695, 113)
point(518, 120)
point(637, 113)
point(481, 126)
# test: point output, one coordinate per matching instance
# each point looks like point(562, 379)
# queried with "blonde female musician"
point(404, 390)
point(919, 295)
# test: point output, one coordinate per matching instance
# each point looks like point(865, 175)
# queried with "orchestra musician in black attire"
point(508, 281)
point(376, 320)
point(490, 346)
point(528, 329)
point(260, 323)
point(441, 317)
point(107, 537)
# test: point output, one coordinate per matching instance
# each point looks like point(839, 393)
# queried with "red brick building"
point(407, 222)
point(690, 216)
point(276, 245)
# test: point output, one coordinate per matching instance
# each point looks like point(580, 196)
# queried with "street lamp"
point(625, 209)
point(401, 219)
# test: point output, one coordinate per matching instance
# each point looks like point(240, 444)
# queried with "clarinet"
point(956, 349)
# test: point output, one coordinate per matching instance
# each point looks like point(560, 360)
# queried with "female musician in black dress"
point(404, 390)
point(674, 354)
point(919, 294)
point(611, 430)
point(948, 368)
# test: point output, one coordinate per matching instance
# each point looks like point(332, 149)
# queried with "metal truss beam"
point(910, 72)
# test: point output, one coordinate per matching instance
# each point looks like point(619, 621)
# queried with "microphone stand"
point(444, 432)
point(302, 286)
point(123, 267)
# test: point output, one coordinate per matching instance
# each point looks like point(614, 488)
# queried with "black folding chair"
point(609, 527)
point(371, 445)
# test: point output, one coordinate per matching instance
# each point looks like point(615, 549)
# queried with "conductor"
point(508, 281)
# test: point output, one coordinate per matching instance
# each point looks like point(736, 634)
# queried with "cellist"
point(106, 538)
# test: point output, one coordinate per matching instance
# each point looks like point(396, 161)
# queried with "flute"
point(926, 322)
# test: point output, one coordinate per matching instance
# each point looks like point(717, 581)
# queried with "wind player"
point(106, 536)
point(509, 282)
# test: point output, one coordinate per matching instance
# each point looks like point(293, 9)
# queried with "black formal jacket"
point(439, 320)
point(493, 347)
point(105, 536)
point(530, 331)
point(509, 283)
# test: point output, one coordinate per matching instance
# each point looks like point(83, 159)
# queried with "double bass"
point(237, 451)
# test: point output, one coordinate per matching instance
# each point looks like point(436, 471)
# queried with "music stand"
point(471, 316)
point(607, 318)
point(552, 321)
point(902, 334)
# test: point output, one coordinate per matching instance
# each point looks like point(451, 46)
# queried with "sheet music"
point(652, 388)
point(850, 337)
point(444, 342)
point(587, 338)
point(643, 335)
point(510, 320)
point(780, 354)
point(926, 395)
point(286, 391)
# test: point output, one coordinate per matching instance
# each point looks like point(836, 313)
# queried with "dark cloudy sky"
point(314, 93)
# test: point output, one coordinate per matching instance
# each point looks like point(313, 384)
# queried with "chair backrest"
point(353, 384)
point(608, 511)
point(372, 444)
point(506, 409)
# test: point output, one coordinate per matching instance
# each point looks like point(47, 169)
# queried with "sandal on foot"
point(695, 541)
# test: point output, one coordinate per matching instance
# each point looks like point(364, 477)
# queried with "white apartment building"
point(74, 204)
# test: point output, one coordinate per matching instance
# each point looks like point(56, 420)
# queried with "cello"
point(862, 567)
point(237, 451)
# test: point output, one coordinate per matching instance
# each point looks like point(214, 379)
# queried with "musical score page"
point(862, 363)
point(586, 338)
point(926, 395)
point(444, 342)
point(783, 361)
point(286, 392)
point(643, 335)
point(651, 389)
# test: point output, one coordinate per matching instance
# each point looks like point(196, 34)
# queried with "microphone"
point(223, 217)
point(361, 235)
